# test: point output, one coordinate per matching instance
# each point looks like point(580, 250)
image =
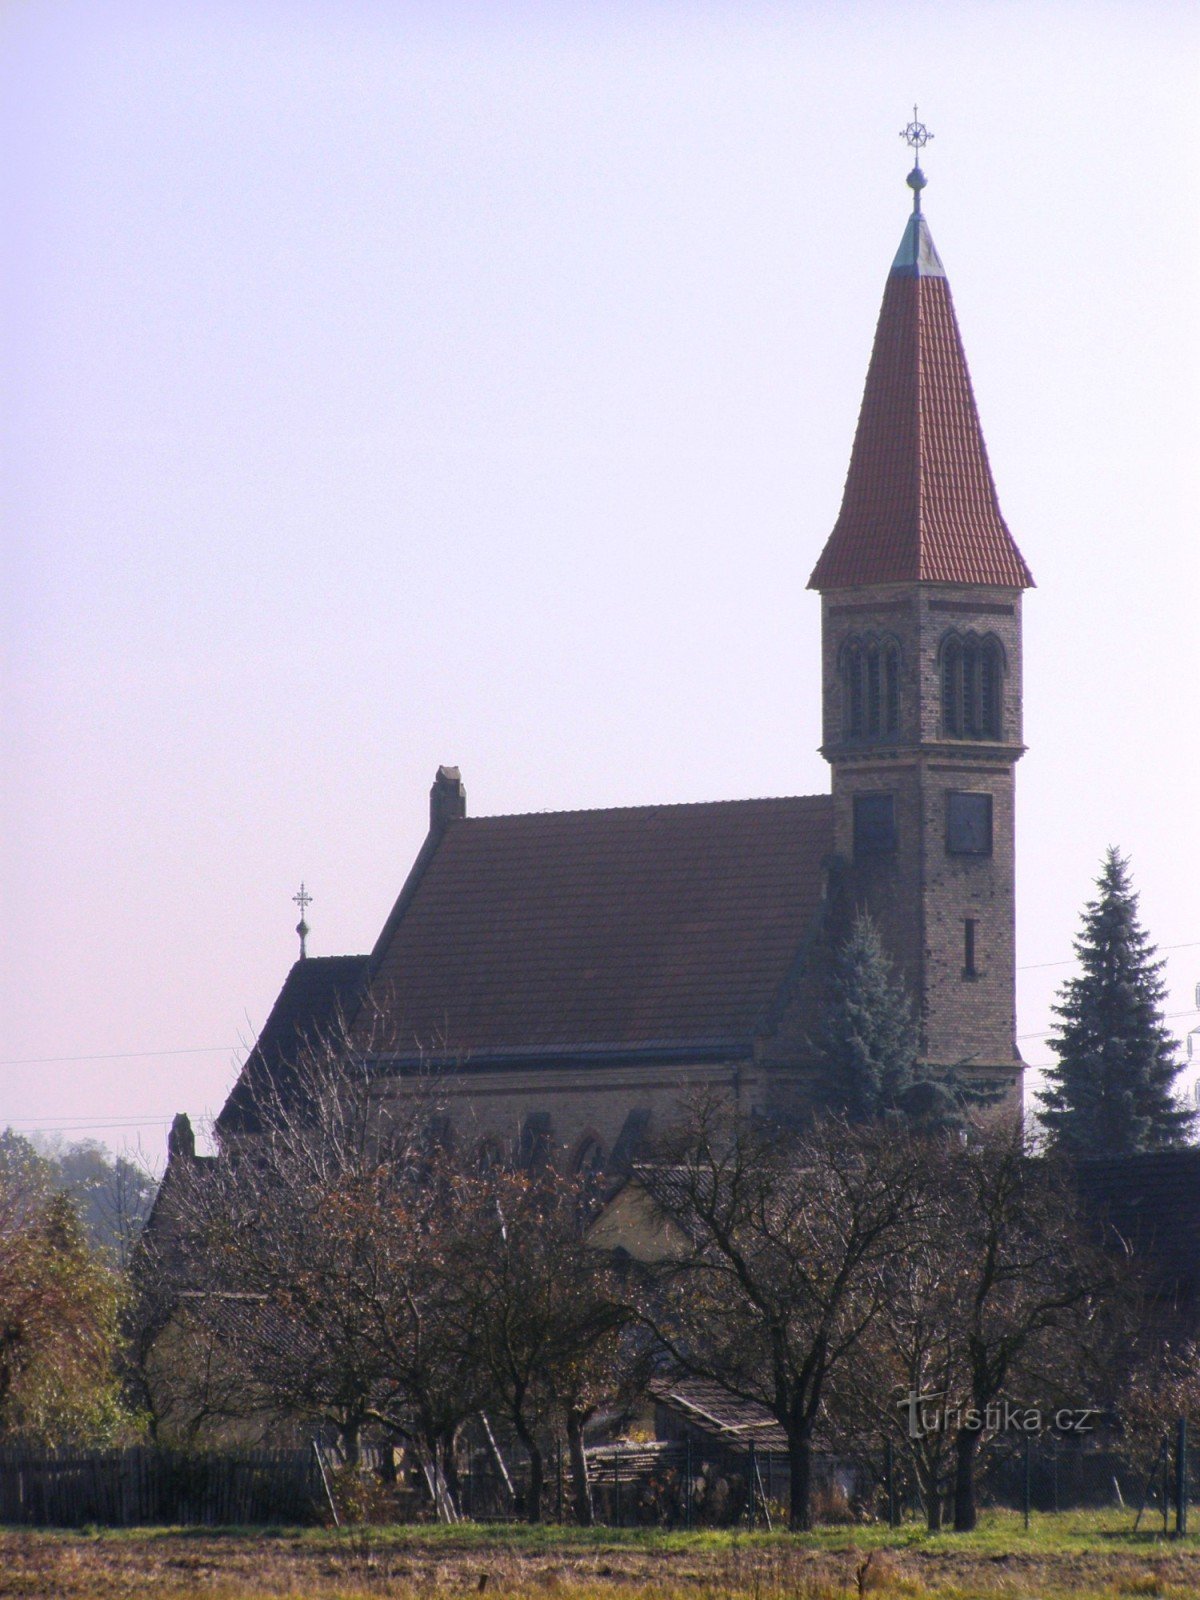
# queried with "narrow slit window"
point(970, 691)
point(969, 969)
point(854, 686)
point(892, 690)
point(989, 668)
point(951, 689)
point(873, 691)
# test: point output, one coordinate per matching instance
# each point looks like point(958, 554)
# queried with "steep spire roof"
point(919, 503)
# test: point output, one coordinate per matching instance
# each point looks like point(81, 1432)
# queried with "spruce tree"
point(867, 1038)
point(1111, 1091)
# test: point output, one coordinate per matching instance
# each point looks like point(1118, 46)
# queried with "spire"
point(919, 503)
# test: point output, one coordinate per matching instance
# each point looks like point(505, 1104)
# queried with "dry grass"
point(1062, 1557)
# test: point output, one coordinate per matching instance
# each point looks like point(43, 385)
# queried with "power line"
point(1168, 1016)
point(1036, 966)
point(119, 1055)
point(222, 1049)
point(53, 1124)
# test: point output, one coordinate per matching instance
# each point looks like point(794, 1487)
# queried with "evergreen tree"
point(1110, 1093)
point(867, 1038)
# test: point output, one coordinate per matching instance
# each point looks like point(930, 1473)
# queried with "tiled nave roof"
point(626, 928)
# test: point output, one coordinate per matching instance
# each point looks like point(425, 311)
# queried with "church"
point(569, 977)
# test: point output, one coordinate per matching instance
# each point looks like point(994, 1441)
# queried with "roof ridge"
point(645, 805)
point(312, 961)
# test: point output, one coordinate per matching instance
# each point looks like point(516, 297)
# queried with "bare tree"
point(1032, 1285)
point(911, 1348)
point(790, 1239)
point(339, 1263)
point(998, 1308)
point(552, 1317)
point(314, 1248)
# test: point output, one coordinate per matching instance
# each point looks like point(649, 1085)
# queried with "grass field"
point(1094, 1556)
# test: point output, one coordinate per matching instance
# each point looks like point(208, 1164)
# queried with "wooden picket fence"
point(125, 1488)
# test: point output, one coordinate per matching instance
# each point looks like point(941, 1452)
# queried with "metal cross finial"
point(303, 900)
point(916, 136)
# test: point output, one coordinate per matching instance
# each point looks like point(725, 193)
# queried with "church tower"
point(921, 586)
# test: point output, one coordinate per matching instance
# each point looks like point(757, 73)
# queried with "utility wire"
point(119, 1055)
point(1036, 966)
point(219, 1049)
point(1168, 1016)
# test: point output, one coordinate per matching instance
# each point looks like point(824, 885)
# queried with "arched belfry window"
point(870, 674)
point(972, 681)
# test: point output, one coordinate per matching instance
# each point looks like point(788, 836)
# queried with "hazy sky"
point(399, 384)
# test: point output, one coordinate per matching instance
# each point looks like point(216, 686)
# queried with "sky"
point(392, 384)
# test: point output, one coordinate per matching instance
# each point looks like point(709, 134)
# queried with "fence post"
point(1025, 1493)
point(1148, 1486)
point(889, 1472)
point(1181, 1476)
point(751, 1465)
point(687, 1497)
point(560, 1480)
point(1166, 1486)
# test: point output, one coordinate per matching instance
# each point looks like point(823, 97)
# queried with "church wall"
point(583, 1103)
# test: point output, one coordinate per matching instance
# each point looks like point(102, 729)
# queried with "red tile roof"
point(919, 503)
point(574, 931)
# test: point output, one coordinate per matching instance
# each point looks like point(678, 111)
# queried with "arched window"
point(870, 673)
point(972, 678)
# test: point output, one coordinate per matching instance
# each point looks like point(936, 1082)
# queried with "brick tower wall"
point(921, 894)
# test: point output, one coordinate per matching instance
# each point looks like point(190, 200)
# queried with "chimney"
point(447, 799)
point(181, 1141)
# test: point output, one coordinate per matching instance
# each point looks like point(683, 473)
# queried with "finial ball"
point(916, 179)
